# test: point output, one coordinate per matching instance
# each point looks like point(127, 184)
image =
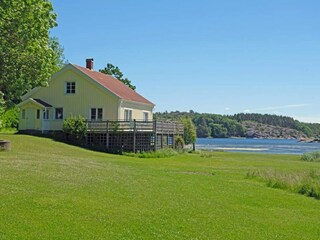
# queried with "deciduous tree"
point(190, 135)
point(28, 56)
point(116, 72)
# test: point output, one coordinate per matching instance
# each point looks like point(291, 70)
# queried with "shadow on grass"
point(67, 139)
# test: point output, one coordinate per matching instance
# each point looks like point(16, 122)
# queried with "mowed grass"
point(50, 190)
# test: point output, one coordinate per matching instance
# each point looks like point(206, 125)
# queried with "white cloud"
point(273, 109)
point(227, 108)
point(282, 107)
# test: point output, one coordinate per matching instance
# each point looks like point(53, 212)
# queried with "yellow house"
point(81, 91)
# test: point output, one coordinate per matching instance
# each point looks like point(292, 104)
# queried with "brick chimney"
point(89, 63)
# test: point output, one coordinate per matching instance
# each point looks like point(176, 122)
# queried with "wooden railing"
point(168, 127)
point(160, 127)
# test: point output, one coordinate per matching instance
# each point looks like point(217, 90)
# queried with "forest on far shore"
point(245, 125)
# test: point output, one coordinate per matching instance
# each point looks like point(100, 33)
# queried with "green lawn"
point(50, 190)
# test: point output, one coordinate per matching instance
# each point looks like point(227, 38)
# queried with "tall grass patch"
point(311, 157)
point(162, 153)
point(303, 182)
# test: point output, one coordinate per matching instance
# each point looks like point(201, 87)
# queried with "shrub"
point(10, 118)
point(178, 143)
point(76, 127)
point(115, 126)
point(311, 157)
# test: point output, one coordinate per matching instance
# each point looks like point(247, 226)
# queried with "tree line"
point(222, 126)
point(208, 125)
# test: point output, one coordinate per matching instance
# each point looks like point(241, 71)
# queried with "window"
point(96, 114)
point(23, 114)
point(145, 116)
point(38, 113)
point(100, 114)
point(93, 113)
point(70, 87)
point(46, 114)
point(127, 115)
point(59, 113)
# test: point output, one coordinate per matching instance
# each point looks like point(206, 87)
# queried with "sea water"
point(272, 146)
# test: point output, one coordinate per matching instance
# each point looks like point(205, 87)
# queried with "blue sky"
point(210, 56)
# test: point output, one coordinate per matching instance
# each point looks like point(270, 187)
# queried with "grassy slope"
point(49, 190)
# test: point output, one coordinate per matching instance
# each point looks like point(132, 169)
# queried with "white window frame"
point(127, 117)
point(145, 116)
point(96, 110)
point(46, 114)
point(70, 87)
point(55, 114)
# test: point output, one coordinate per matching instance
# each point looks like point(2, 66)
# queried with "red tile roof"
point(114, 85)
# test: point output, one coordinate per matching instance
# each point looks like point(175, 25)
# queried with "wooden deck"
point(159, 127)
point(133, 135)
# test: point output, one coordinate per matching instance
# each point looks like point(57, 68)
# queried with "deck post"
point(173, 140)
point(107, 140)
point(134, 135)
point(155, 134)
point(161, 141)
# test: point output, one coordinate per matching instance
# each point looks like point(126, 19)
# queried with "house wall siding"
point(30, 110)
point(137, 110)
point(87, 96)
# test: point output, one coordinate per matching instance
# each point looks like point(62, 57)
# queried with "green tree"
point(190, 135)
point(116, 72)
point(59, 58)
point(2, 103)
point(218, 131)
point(27, 54)
point(203, 131)
point(2, 109)
point(305, 129)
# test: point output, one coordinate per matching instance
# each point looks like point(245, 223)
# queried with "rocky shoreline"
point(258, 130)
point(309, 140)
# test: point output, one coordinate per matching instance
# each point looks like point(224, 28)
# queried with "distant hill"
point(246, 125)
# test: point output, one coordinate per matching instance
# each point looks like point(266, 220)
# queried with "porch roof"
point(36, 101)
point(43, 103)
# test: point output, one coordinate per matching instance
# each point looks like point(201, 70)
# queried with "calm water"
point(275, 146)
